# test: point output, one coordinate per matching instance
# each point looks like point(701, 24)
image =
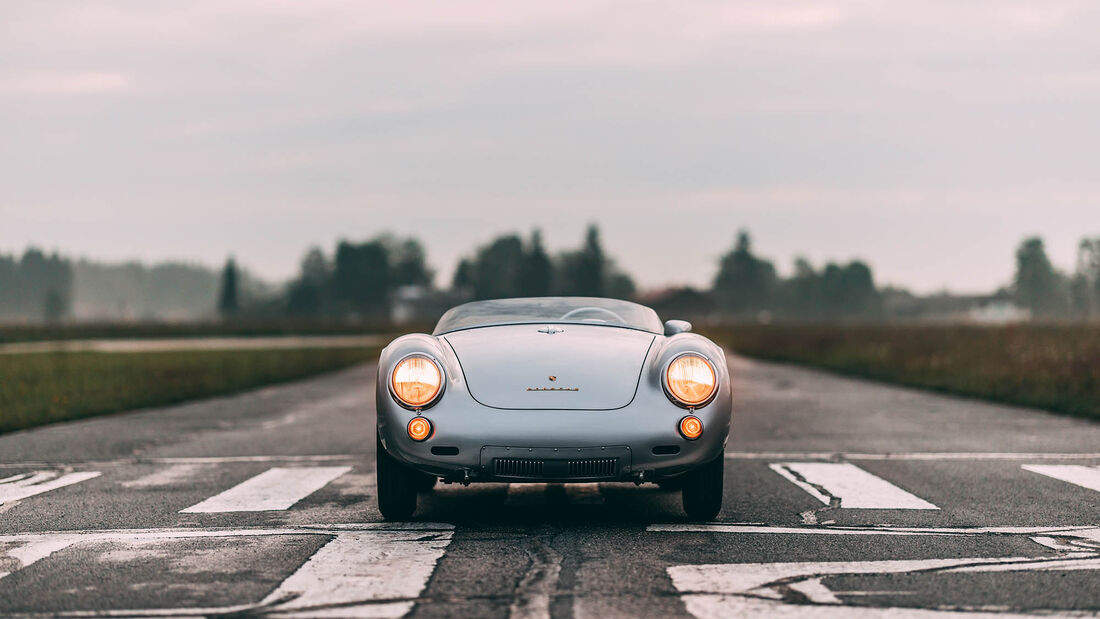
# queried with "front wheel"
point(702, 492)
point(396, 486)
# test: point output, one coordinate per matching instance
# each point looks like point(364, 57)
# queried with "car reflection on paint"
point(552, 389)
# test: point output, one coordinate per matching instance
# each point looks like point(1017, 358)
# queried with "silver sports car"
point(553, 389)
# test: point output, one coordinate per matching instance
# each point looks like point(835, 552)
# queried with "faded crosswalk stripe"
point(274, 489)
point(854, 487)
point(364, 570)
point(19, 487)
point(1084, 476)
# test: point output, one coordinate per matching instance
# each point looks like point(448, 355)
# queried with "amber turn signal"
point(420, 429)
point(691, 427)
point(416, 381)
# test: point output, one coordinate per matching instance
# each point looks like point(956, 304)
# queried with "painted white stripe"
point(274, 489)
point(171, 475)
point(1087, 532)
point(930, 456)
point(856, 488)
point(344, 458)
point(1084, 476)
point(584, 494)
point(754, 590)
point(532, 596)
point(20, 487)
point(352, 573)
point(524, 495)
point(366, 570)
point(27, 552)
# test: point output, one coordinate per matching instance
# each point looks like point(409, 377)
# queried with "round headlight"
point(416, 381)
point(691, 380)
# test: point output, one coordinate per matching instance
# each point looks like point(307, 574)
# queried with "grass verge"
point(41, 388)
point(153, 330)
point(1054, 367)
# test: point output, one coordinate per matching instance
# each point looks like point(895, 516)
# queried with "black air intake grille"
point(517, 467)
point(600, 467)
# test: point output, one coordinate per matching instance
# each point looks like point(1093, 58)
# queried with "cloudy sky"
point(925, 137)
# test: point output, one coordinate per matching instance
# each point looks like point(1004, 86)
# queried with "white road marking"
point(348, 458)
point(930, 456)
point(755, 590)
point(162, 477)
point(584, 494)
point(1084, 476)
point(352, 573)
point(26, 552)
point(1084, 532)
point(19, 487)
point(274, 489)
point(523, 495)
point(366, 570)
point(856, 488)
point(532, 596)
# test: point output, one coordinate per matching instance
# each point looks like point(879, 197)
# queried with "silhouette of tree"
point(409, 264)
point(361, 278)
point(463, 280)
point(497, 268)
point(744, 282)
point(589, 276)
point(53, 307)
point(536, 274)
point(228, 301)
point(1038, 286)
point(306, 295)
point(1085, 286)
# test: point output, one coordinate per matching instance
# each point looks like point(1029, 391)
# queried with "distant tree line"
point(510, 267)
point(365, 280)
point(358, 280)
point(35, 286)
point(1049, 293)
point(748, 286)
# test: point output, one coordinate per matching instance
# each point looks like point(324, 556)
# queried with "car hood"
point(573, 367)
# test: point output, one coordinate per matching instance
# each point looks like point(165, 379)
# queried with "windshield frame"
point(657, 326)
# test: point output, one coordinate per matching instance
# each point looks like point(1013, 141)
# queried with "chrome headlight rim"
point(438, 394)
point(677, 401)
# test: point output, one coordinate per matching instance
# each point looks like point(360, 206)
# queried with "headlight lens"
point(690, 379)
point(416, 381)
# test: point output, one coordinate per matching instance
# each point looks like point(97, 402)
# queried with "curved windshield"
point(559, 310)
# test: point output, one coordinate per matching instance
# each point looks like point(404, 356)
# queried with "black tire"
point(396, 487)
point(425, 482)
point(702, 492)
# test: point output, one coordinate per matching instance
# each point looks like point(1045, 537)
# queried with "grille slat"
point(531, 468)
point(517, 467)
point(598, 467)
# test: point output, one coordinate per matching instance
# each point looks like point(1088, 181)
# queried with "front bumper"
point(477, 443)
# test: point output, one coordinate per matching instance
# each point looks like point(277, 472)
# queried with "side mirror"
point(672, 327)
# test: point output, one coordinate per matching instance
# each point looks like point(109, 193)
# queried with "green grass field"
point(40, 388)
point(1055, 367)
point(148, 330)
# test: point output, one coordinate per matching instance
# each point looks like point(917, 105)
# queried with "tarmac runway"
point(843, 499)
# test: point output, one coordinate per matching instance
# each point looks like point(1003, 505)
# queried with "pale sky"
point(926, 137)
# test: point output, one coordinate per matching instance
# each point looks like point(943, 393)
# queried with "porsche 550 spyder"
point(552, 389)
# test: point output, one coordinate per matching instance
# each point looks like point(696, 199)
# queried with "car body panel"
point(638, 430)
point(566, 367)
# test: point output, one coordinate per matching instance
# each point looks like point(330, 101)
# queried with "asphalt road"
point(843, 499)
